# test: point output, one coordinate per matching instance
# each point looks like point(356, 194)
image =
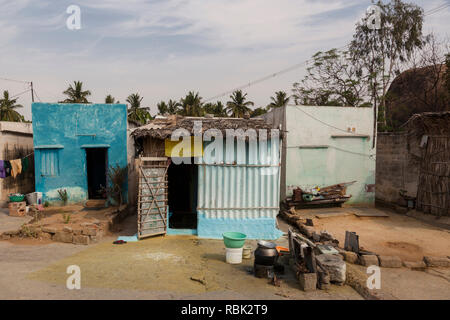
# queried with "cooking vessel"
point(266, 254)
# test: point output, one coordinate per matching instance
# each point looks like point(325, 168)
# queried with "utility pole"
point(32, 92)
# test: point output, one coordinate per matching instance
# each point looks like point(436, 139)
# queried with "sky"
point(164, 48)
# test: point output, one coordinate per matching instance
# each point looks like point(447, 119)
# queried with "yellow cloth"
point(16, 167)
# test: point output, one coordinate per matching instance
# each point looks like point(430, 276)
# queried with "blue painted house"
point(74, 146)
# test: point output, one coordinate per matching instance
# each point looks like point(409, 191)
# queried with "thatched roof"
point(432, 123)
point(162, 128)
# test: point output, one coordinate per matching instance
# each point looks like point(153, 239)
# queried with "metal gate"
point(152, 196)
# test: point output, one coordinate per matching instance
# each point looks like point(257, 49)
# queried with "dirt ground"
point(172, 267)
point(396, 235)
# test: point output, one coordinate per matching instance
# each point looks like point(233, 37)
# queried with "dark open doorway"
point(97, 165)
point(183, 183)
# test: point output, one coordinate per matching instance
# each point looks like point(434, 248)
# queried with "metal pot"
point(266, 254)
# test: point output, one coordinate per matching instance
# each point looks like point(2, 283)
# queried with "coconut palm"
point(238, 107)
point(110, 99)
point(191, 105)
point(135, 111)
point(76, 94)
point(7, 109)
point(217, 109)
point(281, 100)
point(173, 106)
point(162, 108)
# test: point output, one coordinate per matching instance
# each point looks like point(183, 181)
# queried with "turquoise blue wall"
point(321, 153)
point(61, 134)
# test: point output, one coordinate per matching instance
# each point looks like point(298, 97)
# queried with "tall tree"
point(381, 51)
point(173, 106)
point(110, 99)
point(75, 93)
point(135, 111)
point(8, 108)
point(191, 105)
point(238, 106)
point(333, 79)
point(162, 108)
point(258, 111)
point(280, 100)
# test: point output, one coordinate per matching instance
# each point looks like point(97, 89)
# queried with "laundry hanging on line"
point(14, 167)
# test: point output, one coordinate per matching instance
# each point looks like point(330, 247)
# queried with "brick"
point(6, 236)
point(80, 239)
point(307, 281)
point(390, 262)
point(350, 257)
point(436, 261)
point(415, 265)
point(62, 236)
point(368, 260)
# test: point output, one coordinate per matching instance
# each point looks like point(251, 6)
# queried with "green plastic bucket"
point(234, 239)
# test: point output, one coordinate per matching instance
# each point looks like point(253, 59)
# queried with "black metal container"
point(266, 254)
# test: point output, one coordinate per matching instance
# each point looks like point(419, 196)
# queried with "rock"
point(350, 257)
point(45, 235)
point(368, 260)
point(415, 265)
point(62, 236)
point(334, 265)
point(49, 229)
point(309, 222)
point(326, 236)
point(80, 239)
point(89, 231)
point(77, 231)
point(11, 232)
point(390, 261)
point(315, 237)
point(67, 229)
point(6, 236)
point(400, 209)
point(306, 230)
point(436, 261)
point(86, 224)
point(307, 281)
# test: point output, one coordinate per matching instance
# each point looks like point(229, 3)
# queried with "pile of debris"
point(334, 194)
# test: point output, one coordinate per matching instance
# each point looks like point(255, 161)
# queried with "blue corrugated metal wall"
point(240, 192)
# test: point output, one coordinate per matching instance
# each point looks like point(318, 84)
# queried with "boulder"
point(334, 265)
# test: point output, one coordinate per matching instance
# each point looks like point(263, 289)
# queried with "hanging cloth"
point(16, 166)
point(2, 169)
point(7, 166)
point(24, 164)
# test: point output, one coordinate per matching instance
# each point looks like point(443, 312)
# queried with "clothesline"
point(14, 167)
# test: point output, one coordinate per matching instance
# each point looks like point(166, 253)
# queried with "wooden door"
point(152, 196)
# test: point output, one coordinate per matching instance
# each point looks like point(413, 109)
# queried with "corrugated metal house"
point(327, 145)
point(74, 145)
point(236, 189)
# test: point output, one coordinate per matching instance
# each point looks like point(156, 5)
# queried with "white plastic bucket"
point(233, 255)
point(34, 198)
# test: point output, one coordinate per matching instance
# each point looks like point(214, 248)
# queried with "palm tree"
point(191, 105)
point(217, 109)
point(7, 106)
point(110, 99)
point(135, 111)
point(162, 108)
point(238, 107)
point(281, 100)
point(76, 94)
point(173, 106)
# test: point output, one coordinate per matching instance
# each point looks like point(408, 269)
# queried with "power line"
point(16, 95)
point(13, 80)
point(298, 65)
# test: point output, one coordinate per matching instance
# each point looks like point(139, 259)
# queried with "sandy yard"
point(396, 235)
